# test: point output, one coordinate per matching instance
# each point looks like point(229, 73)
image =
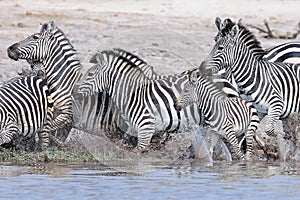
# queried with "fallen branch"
point(275, 34)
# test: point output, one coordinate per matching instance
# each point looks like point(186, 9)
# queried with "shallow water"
point(187, 180)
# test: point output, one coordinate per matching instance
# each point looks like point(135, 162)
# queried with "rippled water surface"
point(151, 181)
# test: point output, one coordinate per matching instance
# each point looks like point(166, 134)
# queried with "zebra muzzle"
point(12, 51)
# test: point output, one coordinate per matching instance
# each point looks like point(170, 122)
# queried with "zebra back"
point(286, 53)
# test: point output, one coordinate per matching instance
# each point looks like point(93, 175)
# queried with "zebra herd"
point(121, 91)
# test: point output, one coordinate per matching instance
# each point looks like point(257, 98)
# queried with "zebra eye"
point(36, 36)
point(220, 48)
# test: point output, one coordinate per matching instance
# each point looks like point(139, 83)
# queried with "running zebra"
point(25, 109)
point(145, 105)
point(51, 48)
point(99, 104)
point(230, 117)
point(272, 87)
point(102, 115)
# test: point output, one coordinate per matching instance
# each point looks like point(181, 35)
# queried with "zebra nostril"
point(12, 53)
point(13, 47)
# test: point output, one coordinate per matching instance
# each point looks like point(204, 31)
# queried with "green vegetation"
point(51, 155)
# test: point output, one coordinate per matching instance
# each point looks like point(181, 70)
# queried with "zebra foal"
point(231, 117)
point(25, 109)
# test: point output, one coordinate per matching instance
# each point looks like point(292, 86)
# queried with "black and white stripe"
point(25, 109)
point(286, 53)
point(145, 105)
point(230, 117)
point(272, 87)
point(51, 48)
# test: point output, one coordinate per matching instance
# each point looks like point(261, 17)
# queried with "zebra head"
point(224, 52)
point(36, 47)
point(94, 79)
point(188, 94)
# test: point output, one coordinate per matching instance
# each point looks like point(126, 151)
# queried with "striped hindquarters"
point(23, 105)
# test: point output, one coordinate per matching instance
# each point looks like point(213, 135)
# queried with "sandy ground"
point(171, 35)
point(185, 28)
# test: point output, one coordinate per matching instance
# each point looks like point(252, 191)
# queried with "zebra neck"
point(61, 65)
point(209, 99)
point(244, 67)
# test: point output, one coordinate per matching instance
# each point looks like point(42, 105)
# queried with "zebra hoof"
point(248, 157)
point(143, 149)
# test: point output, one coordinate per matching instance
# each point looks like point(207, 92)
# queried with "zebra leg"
point(144, 138)
point(214, 138)
point(62, 114)
point(249, 143)
point(8, 132)
point(231, 138)
point(274, 113)
point(61, 121)
point(45, 132)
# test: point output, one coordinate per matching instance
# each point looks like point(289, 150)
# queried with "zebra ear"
point(94, 58)
point(218, 23)
point(240, 21)
point(51, 27)
point(234, 33)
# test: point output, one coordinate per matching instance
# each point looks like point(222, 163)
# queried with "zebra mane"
point(44, 28)
point(127, 54)
point(124, 59)
point(246, 36)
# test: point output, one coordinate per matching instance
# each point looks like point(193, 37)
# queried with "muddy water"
point(186, 180)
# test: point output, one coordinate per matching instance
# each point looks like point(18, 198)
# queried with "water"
point(185, 180)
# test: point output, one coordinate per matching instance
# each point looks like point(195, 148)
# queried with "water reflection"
point(151, 181)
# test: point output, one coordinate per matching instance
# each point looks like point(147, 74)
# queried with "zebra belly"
point(184, 120)
point(166, 120)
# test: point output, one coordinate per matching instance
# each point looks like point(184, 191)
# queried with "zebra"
point(25, 109)
point(145, 105)
point(101, 114)
point(272, 87)
point(285, 53)
point(230, 117)
point(100, 108)
point(51, 48)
